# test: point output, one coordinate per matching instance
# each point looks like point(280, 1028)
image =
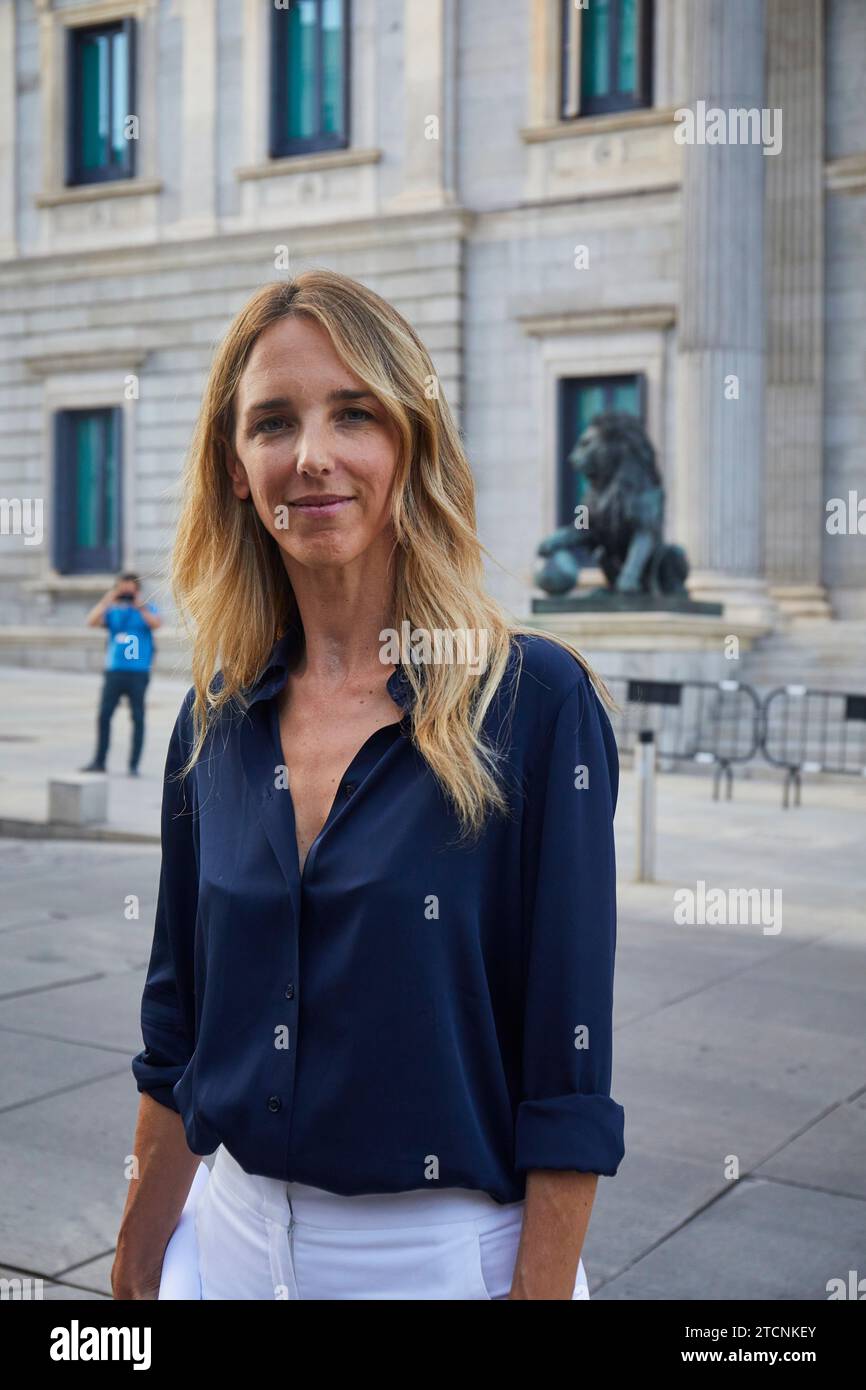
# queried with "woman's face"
point(315, 451)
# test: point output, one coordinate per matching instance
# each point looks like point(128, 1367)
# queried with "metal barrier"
point(807, 730)
point(795, 728)
point(717, 723)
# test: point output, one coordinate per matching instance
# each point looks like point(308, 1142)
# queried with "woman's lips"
point(321, 508)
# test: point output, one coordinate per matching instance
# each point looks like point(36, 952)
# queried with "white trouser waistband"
point(278, 1200)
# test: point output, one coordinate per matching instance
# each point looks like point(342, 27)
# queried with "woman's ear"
point(237, 474)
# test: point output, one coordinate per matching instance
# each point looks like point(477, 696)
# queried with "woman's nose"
point(313, 455)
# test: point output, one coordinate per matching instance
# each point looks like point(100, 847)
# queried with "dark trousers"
point(116, 684)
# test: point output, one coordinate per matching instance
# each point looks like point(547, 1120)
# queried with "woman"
point(382, 968)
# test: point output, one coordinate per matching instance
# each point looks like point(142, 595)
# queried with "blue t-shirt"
point(130, 641)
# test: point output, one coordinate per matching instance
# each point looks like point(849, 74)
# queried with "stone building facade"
point(550, 236)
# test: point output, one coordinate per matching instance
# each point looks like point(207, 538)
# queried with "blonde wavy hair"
point(231, 587)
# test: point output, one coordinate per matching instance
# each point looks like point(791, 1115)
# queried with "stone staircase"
point(812, 652)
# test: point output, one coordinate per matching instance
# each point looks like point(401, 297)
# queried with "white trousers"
point(245, 1236)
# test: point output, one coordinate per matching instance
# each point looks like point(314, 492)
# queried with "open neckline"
point(336, 804)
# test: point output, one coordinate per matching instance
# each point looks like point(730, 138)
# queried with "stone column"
point(720, 440)
point(198, 133)
point(430, 67)
point(794, 211)
point(8, 190)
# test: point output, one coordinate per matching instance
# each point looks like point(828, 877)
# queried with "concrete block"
point(78, 799)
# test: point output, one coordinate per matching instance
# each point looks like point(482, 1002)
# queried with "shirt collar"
point(282, 656)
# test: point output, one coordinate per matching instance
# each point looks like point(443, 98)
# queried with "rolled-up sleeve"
point(566, 1118)
point(168, 1000)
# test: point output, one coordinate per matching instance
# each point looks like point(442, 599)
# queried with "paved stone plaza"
point(729, 1040)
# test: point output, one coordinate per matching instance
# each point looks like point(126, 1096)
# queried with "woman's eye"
point(273, 423)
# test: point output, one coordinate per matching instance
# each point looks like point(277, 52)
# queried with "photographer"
point(128, 661)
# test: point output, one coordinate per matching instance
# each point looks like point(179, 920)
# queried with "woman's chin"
point(327, 547)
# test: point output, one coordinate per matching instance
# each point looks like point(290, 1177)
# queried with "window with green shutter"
point(101, 100)
point(87, 491)
point(606, 56)
point(309, 77)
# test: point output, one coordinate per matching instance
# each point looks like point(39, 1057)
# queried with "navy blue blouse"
point(409, 1011)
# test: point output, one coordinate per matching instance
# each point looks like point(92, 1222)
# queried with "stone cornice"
point(95, 11)
point(110, 359)
point(584, 127)
point(308, 163)
point(430, 224)
point(91, 192)
point(655, 316)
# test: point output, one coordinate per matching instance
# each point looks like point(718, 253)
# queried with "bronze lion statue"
point(619, 521)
